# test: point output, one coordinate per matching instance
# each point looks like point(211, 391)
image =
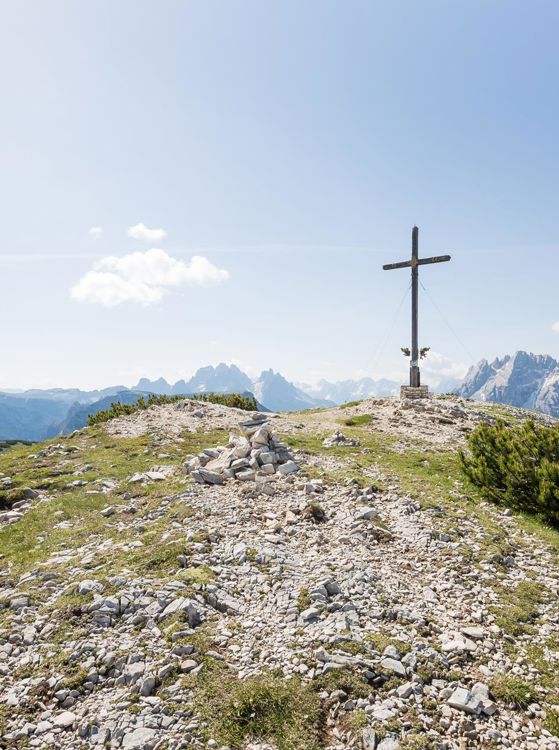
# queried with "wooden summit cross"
point(414, 264)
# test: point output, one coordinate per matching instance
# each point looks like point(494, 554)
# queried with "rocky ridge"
point(529, 381)
point(381, 596)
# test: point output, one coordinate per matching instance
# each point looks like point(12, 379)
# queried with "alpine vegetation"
point(190, 575)
point(516, 466)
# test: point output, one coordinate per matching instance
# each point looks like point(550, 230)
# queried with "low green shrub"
point(551, 722)
point(10, 496)
point(516, 466)
point(233, 400)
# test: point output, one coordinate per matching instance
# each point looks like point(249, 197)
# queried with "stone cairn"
point(254, 456)
point(339, 439)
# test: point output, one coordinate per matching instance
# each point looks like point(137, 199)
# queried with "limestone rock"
point(65, 719)
point(464, 700)
point(142, 738)
point(254, 457)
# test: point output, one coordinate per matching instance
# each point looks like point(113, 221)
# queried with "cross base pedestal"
point(409, 391)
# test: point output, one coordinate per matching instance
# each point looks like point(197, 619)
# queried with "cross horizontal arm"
point(435, 259)
point(391, 266)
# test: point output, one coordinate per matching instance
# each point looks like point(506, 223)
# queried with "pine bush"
point(118, 409)
point(516, 466)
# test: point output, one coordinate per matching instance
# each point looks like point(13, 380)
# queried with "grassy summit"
point(310, 629)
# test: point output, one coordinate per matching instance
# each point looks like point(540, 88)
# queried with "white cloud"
point(143, 278)
point(436, 367)
point(96, 232)
point(555, 327)
point(141, 232)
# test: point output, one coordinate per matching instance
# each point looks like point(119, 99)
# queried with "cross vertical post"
point(415, 380)
point(414, 263)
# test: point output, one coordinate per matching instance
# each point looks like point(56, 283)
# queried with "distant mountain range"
point(526, 380)
point(351, 390)
point(271, 389)
point(530, 381)
point(39, 414)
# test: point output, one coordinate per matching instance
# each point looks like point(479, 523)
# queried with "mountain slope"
point(273, 390)
point(71, 395)
point(525, 380)
point(221, 379)
point(77, 416)
point(375, 607)
point(39, 414)
point(160, 386)
point(30, 418)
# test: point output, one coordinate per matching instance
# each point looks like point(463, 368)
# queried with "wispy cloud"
point(96, 232)
point(45, 257)
point(555, 327)
point(143, 278)
point(141, 232)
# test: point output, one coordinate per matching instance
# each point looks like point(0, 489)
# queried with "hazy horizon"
point(212, 182)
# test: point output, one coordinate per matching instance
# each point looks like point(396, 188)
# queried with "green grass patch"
point(345, 678)
point(519, 606)
point(304, 600)
point(357, 720)
point(539, 658)
point(157, 557)
point(512, 691)
point(201, 575)
point(71, 518)
point(551, 722)
point(358, 421)
point(263, 708)
point(353, 647)
point(381, 641)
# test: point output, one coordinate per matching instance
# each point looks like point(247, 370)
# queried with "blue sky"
point(292, 145)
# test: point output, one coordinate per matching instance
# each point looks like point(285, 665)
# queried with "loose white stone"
point(393, 665)
point(464, 700)
point(65, 719)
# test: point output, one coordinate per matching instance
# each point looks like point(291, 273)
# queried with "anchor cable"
point(447, 323)
point(390, 328)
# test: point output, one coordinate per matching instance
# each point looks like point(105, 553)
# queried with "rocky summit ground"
point(368, 600)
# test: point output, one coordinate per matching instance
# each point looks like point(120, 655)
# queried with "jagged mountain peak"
point(220, 379)
point(523, 379)
point(277, 393)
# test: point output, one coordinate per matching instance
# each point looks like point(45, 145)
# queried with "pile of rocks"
point(255, 456)
point(339, 438)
